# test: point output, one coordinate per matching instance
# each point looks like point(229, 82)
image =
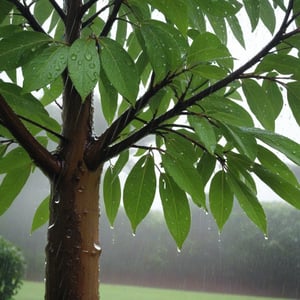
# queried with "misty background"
point(239, 260)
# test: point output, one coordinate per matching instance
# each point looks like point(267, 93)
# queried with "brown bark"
point(73, 250)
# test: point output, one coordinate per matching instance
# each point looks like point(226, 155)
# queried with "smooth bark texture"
point(73, 248)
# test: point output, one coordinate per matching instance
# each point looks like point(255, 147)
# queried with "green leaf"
point(236, 29)
point(259, 103)
point(176, 11)
point(42, 10)
point(248, 202)
point(287, 191)
point(204, 130)
point(6, 7)
point(281, 143)
point(293, 95)
point(27, 106)
point(209, 71)
point(120, 69)
point(219, 27)
point(12, 185)
point(273, 92)
point(84, 66)
point(220, 199)
point(267, 15)
point(271, 162)
point(226, 111)
point(41, 215)
point(252, 8)
point(45, 67)
point(207, 47)
point(243, 142)
point(109, 98)
point(52, 92)
point(185, 175)
point(121, 162)
point(176, 209)
point(168, 42)
point(283, 64)
point(111, 194)
point(206, 166)
point(14, 160)
point(139, 190)
point(16, 49)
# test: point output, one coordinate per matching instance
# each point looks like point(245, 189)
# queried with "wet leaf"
point(176, 209)
point(12, 185)
point(45, 67)
point(206, 166)
point(204, 130)
point(139, 190)
point(168, 42)
point(120, 69)
point(248, 202)
point(281, 143)
point(259, 103)
point(84, 66)
point(16, 49)
point(287, 191)
point(111, 194)
point(41, 215)
point(220, 199)
point(185, 175)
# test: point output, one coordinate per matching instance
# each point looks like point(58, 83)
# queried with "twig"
point(58, 9)
point(25, 12)
point(42, 127)
point(94, 16)
point(111, 19)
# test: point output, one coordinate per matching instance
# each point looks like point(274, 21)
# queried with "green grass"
point(35, 291)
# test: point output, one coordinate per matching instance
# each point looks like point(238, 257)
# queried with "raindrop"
point(97, 247)
point(92, 66)
point(57, 68)
point(51, 226)
point(133, 234)
point(88, 56)
point(219, 238)
point(112, 227)
point(68, 236)
point(266, 237)
point(178, 250)
point(74, 56)
point(79, 62)
point(56, 201)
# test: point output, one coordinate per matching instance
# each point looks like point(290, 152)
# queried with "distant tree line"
point(239, 260)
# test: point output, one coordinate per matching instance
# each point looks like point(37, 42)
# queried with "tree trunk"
point(73, 250)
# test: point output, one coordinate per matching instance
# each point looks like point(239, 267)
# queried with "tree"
point(169, 79)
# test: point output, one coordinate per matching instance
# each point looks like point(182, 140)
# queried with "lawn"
point(35, 291)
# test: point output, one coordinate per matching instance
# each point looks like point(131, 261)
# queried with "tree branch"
point(25, 12)
point(105, 153)
point(42, 127)
point(113, 132)
point(86, 6)
point(58, 9)
point(111, 19)
point(94, 16)
point(40, 155)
